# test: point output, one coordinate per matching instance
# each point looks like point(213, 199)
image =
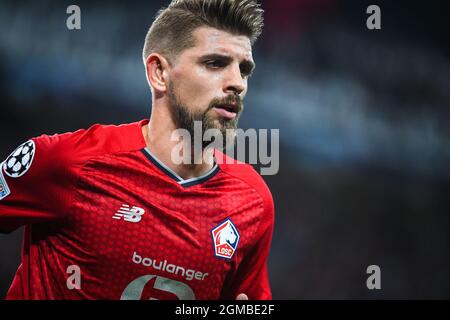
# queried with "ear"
point(156, 69)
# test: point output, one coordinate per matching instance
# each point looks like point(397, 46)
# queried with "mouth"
point(228, 111)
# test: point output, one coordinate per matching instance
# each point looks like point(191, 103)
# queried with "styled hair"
point(172, 30)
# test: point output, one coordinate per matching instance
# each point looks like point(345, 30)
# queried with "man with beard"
point(110, 215)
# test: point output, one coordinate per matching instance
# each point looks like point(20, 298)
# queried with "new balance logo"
point(133, 214)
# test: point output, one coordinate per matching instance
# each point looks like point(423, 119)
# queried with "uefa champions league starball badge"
point(19, 161)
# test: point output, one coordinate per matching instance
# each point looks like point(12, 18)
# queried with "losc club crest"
point(225, 239)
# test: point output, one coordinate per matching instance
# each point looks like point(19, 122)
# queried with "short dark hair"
point(171, 32)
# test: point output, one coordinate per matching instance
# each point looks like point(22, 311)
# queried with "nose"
point(235, 83)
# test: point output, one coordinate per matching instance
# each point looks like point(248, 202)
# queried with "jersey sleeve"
point(31, 183)
point(251, 276)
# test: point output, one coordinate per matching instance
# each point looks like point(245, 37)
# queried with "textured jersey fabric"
point(99, 207)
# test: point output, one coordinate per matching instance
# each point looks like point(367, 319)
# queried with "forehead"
point(211, 40)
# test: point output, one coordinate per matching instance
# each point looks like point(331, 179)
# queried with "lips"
point(227, 111)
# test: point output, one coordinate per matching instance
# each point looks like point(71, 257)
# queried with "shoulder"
point(248, 175)
point(83, 144)
point(49, 155)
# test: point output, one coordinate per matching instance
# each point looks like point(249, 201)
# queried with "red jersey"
point(105, 219)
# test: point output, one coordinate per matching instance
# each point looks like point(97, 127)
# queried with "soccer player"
point(109, 214)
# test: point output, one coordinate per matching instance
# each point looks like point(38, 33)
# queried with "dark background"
point(363, 116)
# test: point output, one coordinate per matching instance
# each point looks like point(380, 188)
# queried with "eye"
point(214, 64)
point(245, 74)
point(246, 70)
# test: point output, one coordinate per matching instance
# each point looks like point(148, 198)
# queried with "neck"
point(157, 134)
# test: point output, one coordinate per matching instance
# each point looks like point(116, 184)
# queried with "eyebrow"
point(247, 64)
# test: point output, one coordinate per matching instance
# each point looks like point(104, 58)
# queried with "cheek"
point(197, 88)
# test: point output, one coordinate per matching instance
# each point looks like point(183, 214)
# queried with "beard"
point(185, 118)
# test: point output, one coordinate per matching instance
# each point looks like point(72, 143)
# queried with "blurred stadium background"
point(364, 116)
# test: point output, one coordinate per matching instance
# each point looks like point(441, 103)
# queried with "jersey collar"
point(183, 182)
